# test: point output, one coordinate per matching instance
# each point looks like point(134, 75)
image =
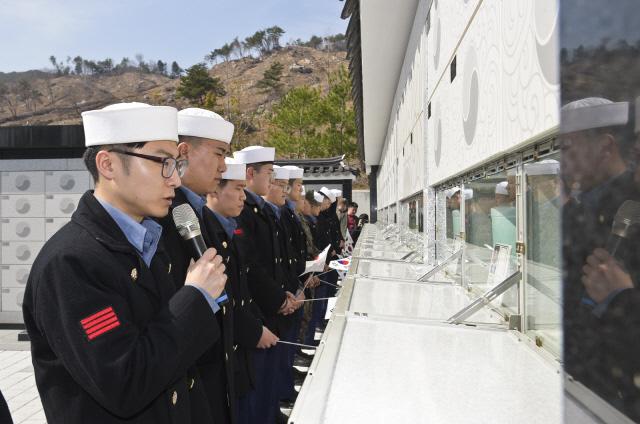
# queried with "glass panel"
point(543, 287)
point(453, 212)
point(413, 224)
point(490, 221)
point(600, 59)
point(420, 217)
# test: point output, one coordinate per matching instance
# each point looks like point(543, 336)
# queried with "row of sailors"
point(127, 326)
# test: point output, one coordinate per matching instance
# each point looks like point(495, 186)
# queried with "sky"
point(184, 31)
point(588, 22)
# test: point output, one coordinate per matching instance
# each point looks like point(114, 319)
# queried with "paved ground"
point(16, 380)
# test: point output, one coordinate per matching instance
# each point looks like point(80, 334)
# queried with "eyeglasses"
point(168, 164)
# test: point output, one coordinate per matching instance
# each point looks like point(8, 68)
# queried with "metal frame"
point(456, 255)
point(485, 299)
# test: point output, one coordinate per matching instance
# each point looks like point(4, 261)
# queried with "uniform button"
point(255, 210)
point(169, 270)
point(282, 286)
point(134, 274)
point(224, 310)
point(224, 244)
point(235, 347)
point(228, 258)
point(250, 300)
point(226, 356)
point(193, 381)
point(242, 303)
point(174, 398)
point(289, 261)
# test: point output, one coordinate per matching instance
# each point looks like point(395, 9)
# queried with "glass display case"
point(364, 362)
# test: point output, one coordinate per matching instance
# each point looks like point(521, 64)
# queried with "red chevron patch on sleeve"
point(100, 322)
point(238, 232)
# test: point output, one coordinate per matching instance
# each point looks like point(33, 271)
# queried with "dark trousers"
point(320, 307)
point(286, 357)
point(261, 405)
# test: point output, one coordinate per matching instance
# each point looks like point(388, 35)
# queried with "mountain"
point(63, 98)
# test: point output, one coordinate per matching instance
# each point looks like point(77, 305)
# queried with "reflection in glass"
point(543, 290)
point(453, 212)
point(490, 228)
point(600, 63)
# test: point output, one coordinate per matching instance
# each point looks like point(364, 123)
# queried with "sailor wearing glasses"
point(113, 338)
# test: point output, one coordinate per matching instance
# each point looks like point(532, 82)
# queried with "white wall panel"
point(504, 92)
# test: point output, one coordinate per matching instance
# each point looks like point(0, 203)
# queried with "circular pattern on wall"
point(437, 134)
point(67, 205)
point(23, 253)
point(23, 229)
point(436, 43)
point(23, 182)
point(67, 182)
point(22, 275)
point(470, 95)
point(546, 29)
point(23, 206)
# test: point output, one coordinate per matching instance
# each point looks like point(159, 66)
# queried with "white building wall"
point(505, 93)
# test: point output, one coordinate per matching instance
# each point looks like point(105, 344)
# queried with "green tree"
point(176, 70)
point(198, 84)
point(162, 67)
point(271, 78)
point(306, 123)
point(238, 47)
point(273, 35)
point(338, 116)
point(314, 42)
point(293, 126)
point(256, 42)
point(78, 64)
point(54, 62)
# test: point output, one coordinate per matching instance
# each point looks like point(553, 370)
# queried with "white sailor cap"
point(451, 191)
point(280, 172)
point(501, 188)
point(295, 172)
point(592, 112)
point(123, 123)
point(329, 193)
point(235, 170)
point(318, 197)
point(204, 123)
point(467, 193)
point(544, 167)
point(337, 193)
point(255, 154)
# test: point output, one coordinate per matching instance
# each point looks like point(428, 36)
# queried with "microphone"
point(627, 216)
point(189, 229)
